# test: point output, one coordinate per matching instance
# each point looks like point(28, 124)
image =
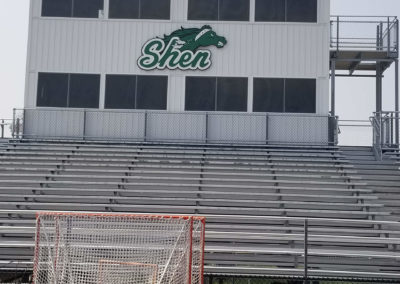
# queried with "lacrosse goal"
point(118, 249)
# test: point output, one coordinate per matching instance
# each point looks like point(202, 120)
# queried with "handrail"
point(382, 33)
point(386, 136)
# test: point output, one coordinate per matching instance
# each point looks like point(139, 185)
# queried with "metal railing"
point(162, 126)
point(312, 249)
point(386, 135)
point(374, 33)
point(10, 128)
point(355, 132)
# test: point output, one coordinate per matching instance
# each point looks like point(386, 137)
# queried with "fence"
point(373, 33)
point(10, 128)
point(153, 126)
point(386, 134)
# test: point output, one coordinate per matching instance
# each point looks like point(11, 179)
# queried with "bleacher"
point(383, 177)
point(256, 200)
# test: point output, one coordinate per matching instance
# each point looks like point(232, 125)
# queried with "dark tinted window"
point(270, 11)
point(140, 9)
point(234, 10)
point(268, 95)
point(155, 9)
point(152, 92)
point(300, 95)
point(56, 8)
point(120, 92)
point(124, 9)
point(301, 10)
point(203, 10)
point(232, 94)
point(52, 90)
point(200, 93)
point(87, 8)
point(84, 91)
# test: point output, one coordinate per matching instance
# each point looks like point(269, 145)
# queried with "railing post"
point(207, 118)
point(13, 124)
point(388, 36)
point(267, 129)
point(337, 33)
point(145, 126)
point(84, 124)
point(396, 107)
point(305, 251)
point(2, 128)
point(17, 128)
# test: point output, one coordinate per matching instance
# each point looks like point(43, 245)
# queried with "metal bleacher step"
point(255, 200)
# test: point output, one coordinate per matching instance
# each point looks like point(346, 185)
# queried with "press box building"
point(263, 77)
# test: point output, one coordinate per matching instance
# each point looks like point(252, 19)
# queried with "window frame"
point(139, 18)
point(286, 15)
point(135, 95)
point(249, 20)
point(71, 15)
point(285, 80)
point(68, 98)
point(215, 106)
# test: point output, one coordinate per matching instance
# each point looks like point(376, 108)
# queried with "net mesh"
point(114, 248)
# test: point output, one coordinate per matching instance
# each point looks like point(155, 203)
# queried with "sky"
point(355, 96)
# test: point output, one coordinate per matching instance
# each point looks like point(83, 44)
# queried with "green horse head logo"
point(183, 49)
point(192, 39)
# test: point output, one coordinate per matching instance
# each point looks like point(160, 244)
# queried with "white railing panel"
point(238, 128)
point(115, 125)
point(53, 123)
point(176, 126)
point(298, 129)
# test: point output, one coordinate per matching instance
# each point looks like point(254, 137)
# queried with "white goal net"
point(74, 248)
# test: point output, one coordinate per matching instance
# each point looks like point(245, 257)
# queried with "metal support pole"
point(333, 87)
point(396, 104)
point(388, 36)
point(305, 251)
point(378, 87)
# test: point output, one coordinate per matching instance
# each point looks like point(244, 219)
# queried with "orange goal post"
point(118, 248)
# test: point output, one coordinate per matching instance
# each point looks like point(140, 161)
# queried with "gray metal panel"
point(176, 126)
point(298, 129)
point(53, 123)
point(232, 127)
point(115, 125)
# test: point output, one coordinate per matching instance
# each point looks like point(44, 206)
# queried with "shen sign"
point(181, 50)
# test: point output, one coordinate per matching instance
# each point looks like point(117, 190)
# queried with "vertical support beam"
point(305, 251)
point(396, 104)
point(378, 87)
point(333, 87)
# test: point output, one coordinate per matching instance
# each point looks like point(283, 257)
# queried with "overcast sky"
point(355, 97)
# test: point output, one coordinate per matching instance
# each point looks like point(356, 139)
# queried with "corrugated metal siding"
point(102, 46)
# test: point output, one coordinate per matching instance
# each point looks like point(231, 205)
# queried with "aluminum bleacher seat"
point(255, 199)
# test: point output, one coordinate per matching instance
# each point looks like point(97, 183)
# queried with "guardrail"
point(375, 33)
point(386, 132)
point(163, 126)
point(10, 128)
point(355, 132)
